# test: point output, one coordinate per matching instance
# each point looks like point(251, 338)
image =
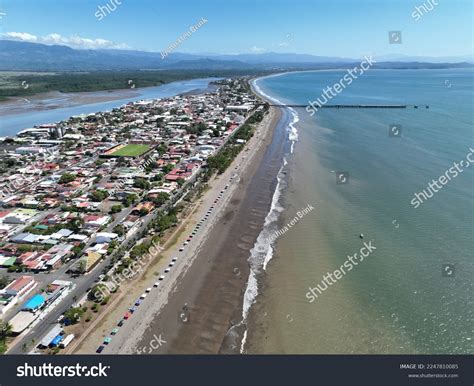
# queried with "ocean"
point(413, 292)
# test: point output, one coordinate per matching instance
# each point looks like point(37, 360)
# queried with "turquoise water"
point(397, 300)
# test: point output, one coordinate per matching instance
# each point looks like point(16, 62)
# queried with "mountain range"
point(24, 56)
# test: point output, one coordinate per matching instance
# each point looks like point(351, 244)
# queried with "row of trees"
point(221, 161)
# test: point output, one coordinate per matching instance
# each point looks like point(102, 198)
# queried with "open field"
point(131, 150)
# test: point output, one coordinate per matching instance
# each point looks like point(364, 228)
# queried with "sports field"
point(131, 150)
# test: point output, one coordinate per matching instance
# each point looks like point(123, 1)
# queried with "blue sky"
point(346, 28)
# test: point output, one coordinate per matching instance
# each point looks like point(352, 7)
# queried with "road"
point(83, 283)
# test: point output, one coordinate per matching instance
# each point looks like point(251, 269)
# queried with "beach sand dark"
point(214, 286)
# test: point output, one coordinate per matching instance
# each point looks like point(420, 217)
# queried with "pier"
point(357, 106)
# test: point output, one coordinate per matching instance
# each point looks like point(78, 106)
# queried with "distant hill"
point(23, 56)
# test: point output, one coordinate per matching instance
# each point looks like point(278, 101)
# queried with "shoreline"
point(57, 100)
point(204, 271)
point(54, 100)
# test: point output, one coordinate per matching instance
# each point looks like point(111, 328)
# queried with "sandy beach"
point(210, 275)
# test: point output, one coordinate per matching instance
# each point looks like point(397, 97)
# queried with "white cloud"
point(72, 41)
point(23, 36)
point(257, 49)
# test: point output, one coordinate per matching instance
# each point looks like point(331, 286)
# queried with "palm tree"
point(5, 329)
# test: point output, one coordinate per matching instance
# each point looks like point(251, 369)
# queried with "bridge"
point(352, 106)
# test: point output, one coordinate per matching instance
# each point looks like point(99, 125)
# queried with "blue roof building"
point(56, 340)
point(34, 303)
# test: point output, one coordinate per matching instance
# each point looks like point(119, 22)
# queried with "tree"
point(5, 329)
point(116, 208)
point(141, 183)
point(119, 229)
point(180, 181)
point(98, 195)
point(161, 198)
point(82, 265)
point(162, 149)
point(75, 225)
point(96, 294)
point(66, 178)
point(130, 199)
point(77, 250)
point(74, 314)
point(143, 212)
point(167, 168)
point(4, 280)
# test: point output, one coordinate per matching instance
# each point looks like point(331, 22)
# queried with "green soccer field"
point(131, 151)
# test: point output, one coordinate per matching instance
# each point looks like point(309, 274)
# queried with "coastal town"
point(83, 200)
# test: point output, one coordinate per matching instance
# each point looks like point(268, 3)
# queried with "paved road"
point(83, 283)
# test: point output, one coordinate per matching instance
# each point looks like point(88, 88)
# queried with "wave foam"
point(262, 251)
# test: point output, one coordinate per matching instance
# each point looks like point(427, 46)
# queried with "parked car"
point(100, 349)
point(127, 315)
point(114, 331)
point(148, 290)
point(156, 284)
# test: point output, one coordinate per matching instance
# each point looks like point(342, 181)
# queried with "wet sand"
point(213, 287)
point(188, 276)
point(56, 100)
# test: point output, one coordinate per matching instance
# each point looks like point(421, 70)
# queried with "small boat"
point(361, 235)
